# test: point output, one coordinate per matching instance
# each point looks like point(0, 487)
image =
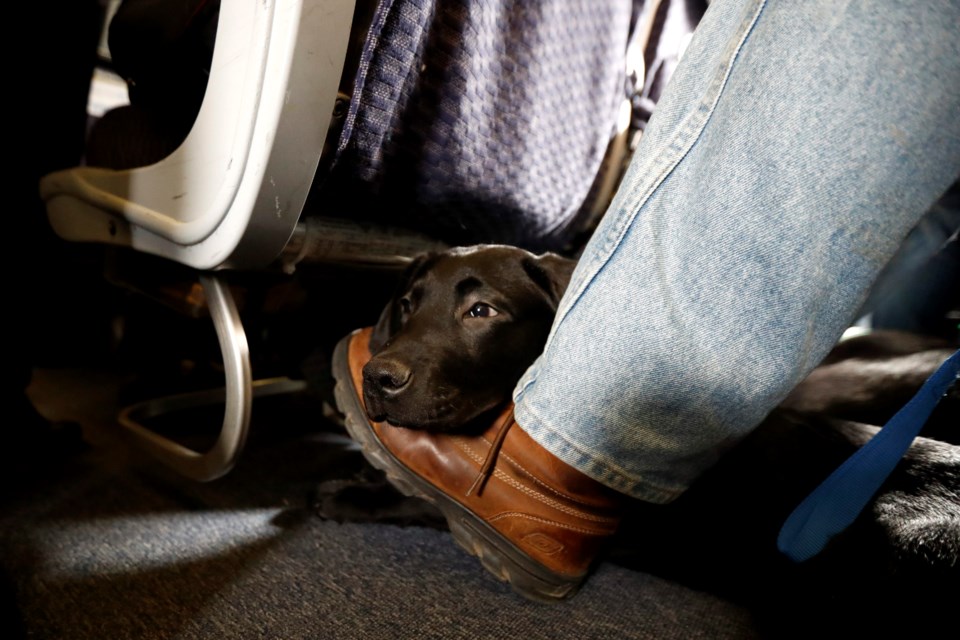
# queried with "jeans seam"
point(661, 166)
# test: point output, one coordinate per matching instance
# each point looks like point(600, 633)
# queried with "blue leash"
point(837, 502)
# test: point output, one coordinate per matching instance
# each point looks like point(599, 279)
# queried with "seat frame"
point(229, 197)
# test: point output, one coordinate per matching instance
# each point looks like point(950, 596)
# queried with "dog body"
point(465, 324)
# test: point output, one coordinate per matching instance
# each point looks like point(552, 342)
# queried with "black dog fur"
point(461, 329)
point(434, 348)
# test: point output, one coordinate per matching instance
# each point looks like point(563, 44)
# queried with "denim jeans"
point(792, 152)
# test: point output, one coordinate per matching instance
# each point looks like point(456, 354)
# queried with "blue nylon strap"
point(837, 502)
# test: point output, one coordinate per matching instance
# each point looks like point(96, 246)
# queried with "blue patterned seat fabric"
point(481, 120)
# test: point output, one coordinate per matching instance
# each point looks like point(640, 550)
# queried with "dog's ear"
point(389, 322)
point(551, 272)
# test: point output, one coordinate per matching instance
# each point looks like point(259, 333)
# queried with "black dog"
point(465, 324)
point(459, 333)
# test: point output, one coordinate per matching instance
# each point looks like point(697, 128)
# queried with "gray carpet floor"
point(99, 543)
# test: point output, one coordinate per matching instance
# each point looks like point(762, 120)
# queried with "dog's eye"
point(482, 310)
point(405, 305)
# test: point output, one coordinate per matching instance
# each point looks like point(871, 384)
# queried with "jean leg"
point(795, 147)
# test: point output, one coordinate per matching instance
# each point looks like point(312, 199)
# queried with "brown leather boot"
point(530, 518)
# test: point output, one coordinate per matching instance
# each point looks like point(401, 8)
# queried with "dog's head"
point(459, 332)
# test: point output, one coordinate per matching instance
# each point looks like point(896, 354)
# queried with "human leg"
point(794, 149)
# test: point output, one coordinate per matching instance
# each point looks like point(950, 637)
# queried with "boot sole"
point(496, 553)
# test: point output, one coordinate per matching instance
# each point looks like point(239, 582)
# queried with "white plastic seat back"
point(232, 193)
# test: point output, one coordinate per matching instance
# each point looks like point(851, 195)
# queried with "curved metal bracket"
point(237, 397)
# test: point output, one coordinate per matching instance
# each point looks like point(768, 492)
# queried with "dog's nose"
point(389, 375)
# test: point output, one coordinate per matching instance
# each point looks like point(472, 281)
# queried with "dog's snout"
point(391, 376)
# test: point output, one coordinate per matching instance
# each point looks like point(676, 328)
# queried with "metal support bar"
point(236, 396)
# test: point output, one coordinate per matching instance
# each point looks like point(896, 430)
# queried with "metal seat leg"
point(236, 396)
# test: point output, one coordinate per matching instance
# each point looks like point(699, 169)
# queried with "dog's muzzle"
point(384, 379)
